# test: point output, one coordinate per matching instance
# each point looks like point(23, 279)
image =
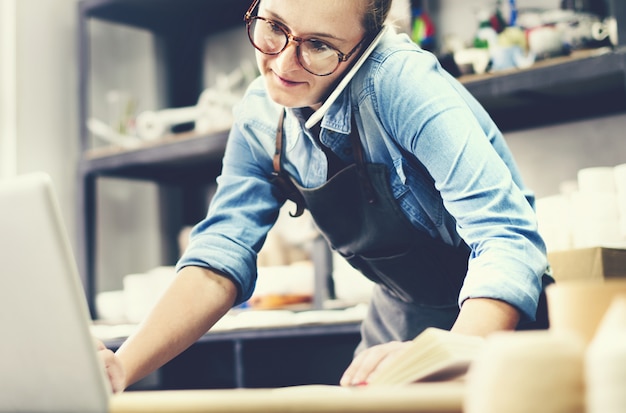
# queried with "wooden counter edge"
point(444, 397)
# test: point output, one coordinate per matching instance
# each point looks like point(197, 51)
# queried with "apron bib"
point(417, 278)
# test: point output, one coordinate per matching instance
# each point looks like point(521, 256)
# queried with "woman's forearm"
point(483, 316)
point(194, 302)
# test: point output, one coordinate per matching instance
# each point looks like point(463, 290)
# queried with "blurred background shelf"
point(184, 157)
point(586, 83)
point(183, 165)
point(160, 16)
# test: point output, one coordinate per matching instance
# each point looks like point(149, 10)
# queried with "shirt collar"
point(339, 114)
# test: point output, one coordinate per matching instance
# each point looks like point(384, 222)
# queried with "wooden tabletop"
point(444, 397)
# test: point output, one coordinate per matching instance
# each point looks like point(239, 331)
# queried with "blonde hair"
point(375, 14)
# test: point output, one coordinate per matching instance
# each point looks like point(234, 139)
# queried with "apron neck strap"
point(278, 151)
point(286, 183)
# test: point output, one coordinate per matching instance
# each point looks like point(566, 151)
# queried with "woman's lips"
point(286, 82)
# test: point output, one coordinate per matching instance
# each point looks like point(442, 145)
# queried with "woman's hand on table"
point(113, 367)
point(366, 363)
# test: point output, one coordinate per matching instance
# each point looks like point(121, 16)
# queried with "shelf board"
point(166, 16)
point(174, 158)
point(348, 328)
point(586, 83)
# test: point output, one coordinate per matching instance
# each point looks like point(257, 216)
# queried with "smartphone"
point(319, 114)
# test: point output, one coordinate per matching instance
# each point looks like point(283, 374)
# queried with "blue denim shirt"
point(450, 168)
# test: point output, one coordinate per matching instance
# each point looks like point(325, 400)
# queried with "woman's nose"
point(288, 59)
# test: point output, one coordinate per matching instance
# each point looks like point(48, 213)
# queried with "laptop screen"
point(49, 362)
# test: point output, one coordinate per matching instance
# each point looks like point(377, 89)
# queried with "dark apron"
point(418, 278)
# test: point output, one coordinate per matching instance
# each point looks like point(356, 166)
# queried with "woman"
point(405, 175)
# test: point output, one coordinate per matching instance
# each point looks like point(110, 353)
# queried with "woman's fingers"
point(113, 367)
point(366, 363)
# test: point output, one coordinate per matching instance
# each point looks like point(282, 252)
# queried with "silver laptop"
point(48, 361)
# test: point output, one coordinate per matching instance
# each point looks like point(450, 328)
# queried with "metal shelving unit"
point(184, 162)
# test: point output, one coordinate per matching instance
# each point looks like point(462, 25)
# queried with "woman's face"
point(336, 22)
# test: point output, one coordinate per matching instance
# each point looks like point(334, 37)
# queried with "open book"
point(433, 355)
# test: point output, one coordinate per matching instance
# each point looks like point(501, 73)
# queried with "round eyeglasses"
point(315, 56)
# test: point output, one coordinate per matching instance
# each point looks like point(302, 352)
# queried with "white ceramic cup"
point(596, 179)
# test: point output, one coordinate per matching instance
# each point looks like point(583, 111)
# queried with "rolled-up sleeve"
point(243, 209)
